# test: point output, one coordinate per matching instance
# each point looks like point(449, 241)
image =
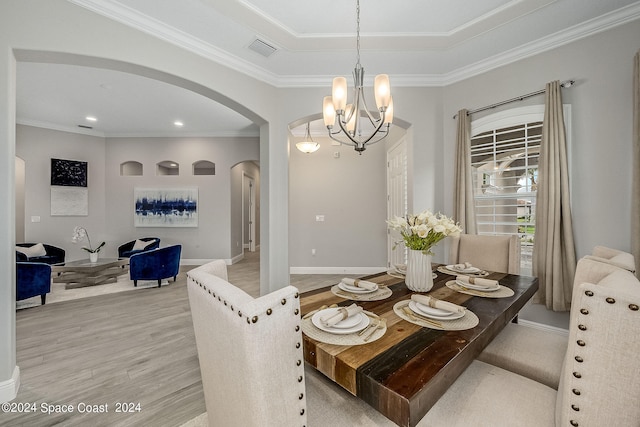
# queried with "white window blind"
point(505, 164)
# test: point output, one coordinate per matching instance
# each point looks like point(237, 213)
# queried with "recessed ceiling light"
point(91, 119)
point(178, 123)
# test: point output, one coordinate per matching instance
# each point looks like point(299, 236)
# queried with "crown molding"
point(132, 18)
point(154, 134)
point(552, 41)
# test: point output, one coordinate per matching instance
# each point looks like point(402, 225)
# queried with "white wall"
point(110, 216)
point(350, 192)
point(211, 239)
point(601, 122)
point(36, 146)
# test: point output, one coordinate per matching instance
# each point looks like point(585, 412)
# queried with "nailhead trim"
point(579, 359)
point(610, 300)
point(575, 408)
point(577, 374)
point(584, 311)
point(254, 319)
point(582, 327)
point(576, 392)
point(574, 423)
point(633, 307)
point(581, 343)
point(588, 293)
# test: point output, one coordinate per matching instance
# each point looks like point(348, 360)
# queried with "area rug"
point(59, 293)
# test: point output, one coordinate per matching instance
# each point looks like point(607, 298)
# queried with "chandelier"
point(307, 145)
point(350, 117)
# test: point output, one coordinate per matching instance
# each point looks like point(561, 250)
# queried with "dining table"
point(404, 363)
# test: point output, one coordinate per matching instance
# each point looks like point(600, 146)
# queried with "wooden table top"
point(406, 371)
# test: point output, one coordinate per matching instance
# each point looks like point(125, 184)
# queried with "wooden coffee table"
point(82, 273)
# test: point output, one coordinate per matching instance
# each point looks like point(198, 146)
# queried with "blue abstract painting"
point(166, 207)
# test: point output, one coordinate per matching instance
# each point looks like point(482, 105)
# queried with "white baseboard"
point(543, 327)
point(204, 261)
point(9, 388)
point(336, 270)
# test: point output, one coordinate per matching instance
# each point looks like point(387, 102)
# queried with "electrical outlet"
point(319, 218)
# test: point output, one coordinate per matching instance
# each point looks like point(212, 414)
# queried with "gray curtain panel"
point(554, 255)
point(635, 190)
point(463, 203)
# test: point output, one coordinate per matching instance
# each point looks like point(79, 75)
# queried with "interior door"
point(396, 198)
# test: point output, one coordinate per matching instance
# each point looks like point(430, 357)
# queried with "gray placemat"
point(310, 330)
point(445, 270)
point(381, 293)
point(468, 321)
point(502, 292)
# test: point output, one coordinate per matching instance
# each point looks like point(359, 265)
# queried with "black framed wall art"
point(68, 173)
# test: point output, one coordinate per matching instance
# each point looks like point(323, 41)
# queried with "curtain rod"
point(565, 84)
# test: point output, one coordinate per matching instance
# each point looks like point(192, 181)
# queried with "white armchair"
point(535, 353)
point(600, 383)
point(250, 351)
point(494, 253)
point(613, 256)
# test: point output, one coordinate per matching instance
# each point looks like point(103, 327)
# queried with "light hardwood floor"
point(128, 347)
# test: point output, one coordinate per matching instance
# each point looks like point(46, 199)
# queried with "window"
point(504, 157)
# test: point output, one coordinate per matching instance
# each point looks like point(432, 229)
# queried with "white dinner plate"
point(463, 270)
point(355, 289)
point(478, 287)
point(357, 322)
point(425, 310)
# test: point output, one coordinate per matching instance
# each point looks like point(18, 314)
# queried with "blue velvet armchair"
point(32, 279)
point(130, 248)
point(157, 264)
point(54, 255)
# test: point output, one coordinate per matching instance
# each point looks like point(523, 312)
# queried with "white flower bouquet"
point(423, 231)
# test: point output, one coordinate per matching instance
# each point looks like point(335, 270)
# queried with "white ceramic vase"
point(93, 256)
point(419, 275)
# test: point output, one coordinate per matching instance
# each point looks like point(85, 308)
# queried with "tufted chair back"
point(250, 351)
point(614, 257)
point(494, 253)
point(600, 380)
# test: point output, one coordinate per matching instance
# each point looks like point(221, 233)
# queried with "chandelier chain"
point(358, 31)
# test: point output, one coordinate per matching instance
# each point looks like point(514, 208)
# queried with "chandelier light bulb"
point(339, 93)
point(382, 91)
point(328, 112)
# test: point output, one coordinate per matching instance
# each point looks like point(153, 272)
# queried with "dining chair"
point(536, 353)
point(494, 253)
point(614, 256)
point(251, 360)
point(600, 381)
point(250, 351)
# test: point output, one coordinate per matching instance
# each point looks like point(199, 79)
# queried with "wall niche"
point(131, 168)
point(167, 167)
point(204, 167)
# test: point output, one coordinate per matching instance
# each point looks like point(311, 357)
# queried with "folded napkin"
point(436, 303)
point(485, 283)
point(463, 266)
point(370, 286)
point(342, 313)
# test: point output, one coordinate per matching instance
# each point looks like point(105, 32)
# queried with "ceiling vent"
point(85, 127)
point(262, 47)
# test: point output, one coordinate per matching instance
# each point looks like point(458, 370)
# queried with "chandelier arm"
point(364, 141)
point(339, 140)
